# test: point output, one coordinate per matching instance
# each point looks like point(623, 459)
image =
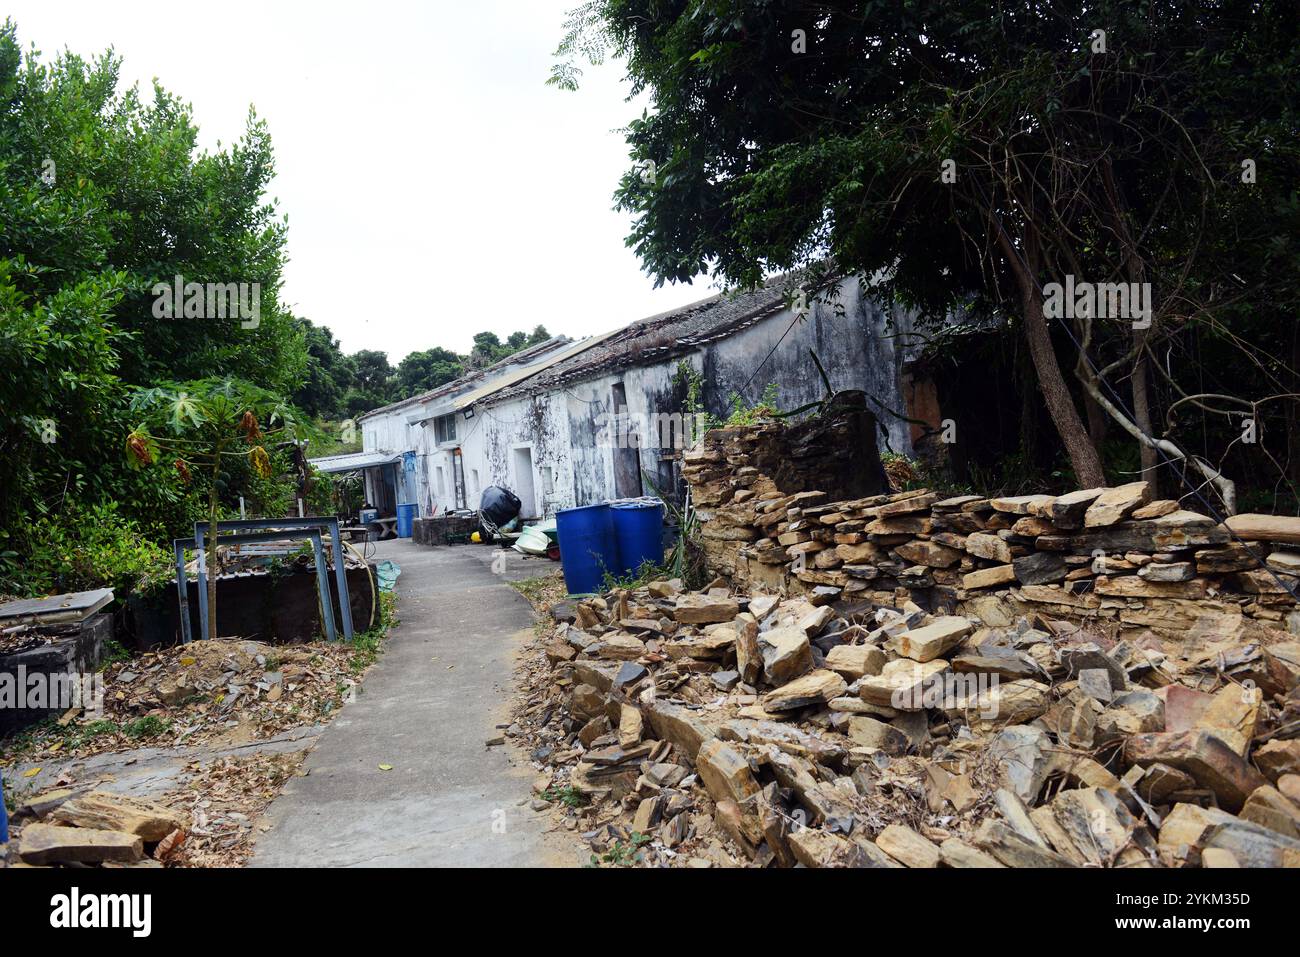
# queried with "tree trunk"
point(214, 505)
point(1142, 418)
point(1226, 488)
point(1098, 424)
point(1135, 268)
point(1060, 405)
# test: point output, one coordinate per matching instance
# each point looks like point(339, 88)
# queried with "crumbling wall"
point(1110, 556)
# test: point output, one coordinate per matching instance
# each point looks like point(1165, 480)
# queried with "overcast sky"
point(434, 186)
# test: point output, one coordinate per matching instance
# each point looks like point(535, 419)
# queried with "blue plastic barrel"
point(4, 815)
point(639, 530)
point(588, 547)
point(406, 515)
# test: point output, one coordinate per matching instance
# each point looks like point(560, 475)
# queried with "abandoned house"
point(564, 424)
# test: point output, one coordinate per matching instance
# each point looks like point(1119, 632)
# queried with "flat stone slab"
point(74, 606)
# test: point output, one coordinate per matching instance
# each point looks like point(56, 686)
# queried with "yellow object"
point(260, 461)
point(475, 538)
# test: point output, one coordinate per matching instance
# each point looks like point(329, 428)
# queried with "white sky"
point(435, 187)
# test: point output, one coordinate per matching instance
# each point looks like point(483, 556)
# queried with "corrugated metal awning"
point(352, 461)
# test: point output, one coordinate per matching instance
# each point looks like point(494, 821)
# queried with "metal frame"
point(322, 578)
point(183, 588)
point(261, 530)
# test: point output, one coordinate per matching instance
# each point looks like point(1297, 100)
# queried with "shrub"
point(84, 547)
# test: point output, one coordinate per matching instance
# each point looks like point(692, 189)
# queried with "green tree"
point(422, 371)
point(120, 181)
point(972, 155)
point(105, 196)
point(488, 347)
point(372, 372)
point(329, 373)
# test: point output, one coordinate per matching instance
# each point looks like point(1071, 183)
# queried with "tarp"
point(532, 541)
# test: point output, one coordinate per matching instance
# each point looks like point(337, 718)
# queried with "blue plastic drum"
point(639, 530)
point(406, 515)
point(588, 547)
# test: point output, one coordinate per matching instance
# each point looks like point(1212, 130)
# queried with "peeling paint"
point(866, 348)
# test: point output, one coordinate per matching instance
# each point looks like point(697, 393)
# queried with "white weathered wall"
point(542, 426)
point(390, 433)
point(863, 349)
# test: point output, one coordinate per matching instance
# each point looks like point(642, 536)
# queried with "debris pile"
point(211, 821)
point(677, 728)
point(224, 800)
point(206, 692)
point(82, 827)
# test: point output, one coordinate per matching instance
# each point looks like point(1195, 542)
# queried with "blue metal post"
point(203, 583)
point(323, 583)
point(4, 814)
point(341, 577)
point(183, 587)
point(330, 523)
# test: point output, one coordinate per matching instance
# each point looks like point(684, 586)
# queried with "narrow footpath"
point(427, 709)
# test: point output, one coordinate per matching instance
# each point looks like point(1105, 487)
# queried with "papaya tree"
point(202, 426)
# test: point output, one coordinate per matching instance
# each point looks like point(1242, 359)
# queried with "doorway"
point(458, 475)
point(523, 478)
point(627, 457)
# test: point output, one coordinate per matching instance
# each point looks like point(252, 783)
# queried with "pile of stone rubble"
point(674, 725)
point(81, 827)
point(1093, 679)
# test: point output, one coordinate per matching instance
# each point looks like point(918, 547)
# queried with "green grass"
point(77, 736)
point(569, 796)
point(26, 740)
point(366, 645)
point(622, 854)
point(113, 653)
point(534, 589)
point(645, 573)
point(150, 726)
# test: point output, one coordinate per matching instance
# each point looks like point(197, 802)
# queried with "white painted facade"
point(546, 448)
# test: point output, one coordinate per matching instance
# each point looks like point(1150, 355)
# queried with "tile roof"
point(659, 337)
point(474, 379)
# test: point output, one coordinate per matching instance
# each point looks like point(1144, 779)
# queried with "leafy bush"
point(765, 408)
point(84, 547)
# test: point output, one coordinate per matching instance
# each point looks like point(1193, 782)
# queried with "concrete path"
point(427, 708)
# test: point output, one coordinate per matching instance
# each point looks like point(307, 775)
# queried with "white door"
point(523, 479)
